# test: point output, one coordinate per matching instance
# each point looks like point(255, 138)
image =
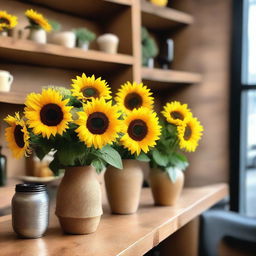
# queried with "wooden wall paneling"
point(204, 47)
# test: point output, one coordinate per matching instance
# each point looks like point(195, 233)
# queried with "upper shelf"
point(13, 97)
point(162, 18)
point(170, 76)
point(50, 55)
point(91, 9)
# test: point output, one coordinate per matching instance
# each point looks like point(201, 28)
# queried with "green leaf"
point(42, 151)
point(172, 173)
point(55, 166)
point(111, 156)
point(98, 164)
point(179, 161)
point(143, 157)
point(160, 158)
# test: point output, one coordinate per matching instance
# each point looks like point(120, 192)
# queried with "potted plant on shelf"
point(38, 26)
point(180, 131)
point(83, 37)
point(149, 48)
point(140, 132)
point(7, 22)
point(108, 43)
point(79, 128)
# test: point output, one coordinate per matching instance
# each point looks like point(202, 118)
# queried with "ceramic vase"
point(108, 43)
point(38, 35)
point(65, 38)
point(124, 187)
point(83, 45)
point(165, 191)
point(79, 201)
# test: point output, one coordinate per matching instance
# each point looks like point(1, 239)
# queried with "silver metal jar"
point(30, 210)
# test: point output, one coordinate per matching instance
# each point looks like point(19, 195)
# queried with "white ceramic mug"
point(5, 81)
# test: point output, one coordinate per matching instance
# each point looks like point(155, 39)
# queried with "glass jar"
point(30, 210)
point(3, 162)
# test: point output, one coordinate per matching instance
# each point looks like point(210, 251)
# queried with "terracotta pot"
point(37, 35)
point(78, 203)
point(124, 187)
point(165, 192)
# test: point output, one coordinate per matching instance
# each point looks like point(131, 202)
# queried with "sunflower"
point(37, 19)
point(85, 87)
point(134, 96)
point(98, 123)
point(47, 113)
point(7, 21)
point(175, 112)
point(142, 130)
point(189, 133)
point(17, 136)
point(159, 2)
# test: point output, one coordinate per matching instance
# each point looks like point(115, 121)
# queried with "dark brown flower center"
point(97, 123)
point(90, 92)
point(51, 114)
point(3, 20)
point(137, 129)
point(177, 115)
point(133, 100)
point(19, 136)
point(187, 133)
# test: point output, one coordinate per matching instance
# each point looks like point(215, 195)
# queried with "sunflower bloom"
point(189, 134)
point(142, 130)
point(47, 113)
point(134, 96)
point(17, 136)
point(85, 87)
point(175, 112)
point(38, 19)
point(98, 124)
point(159, 2)
point(7, 21)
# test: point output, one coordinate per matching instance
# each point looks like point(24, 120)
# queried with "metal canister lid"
point(30, 188)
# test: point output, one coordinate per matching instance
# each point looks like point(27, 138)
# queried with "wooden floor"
point(128, 235)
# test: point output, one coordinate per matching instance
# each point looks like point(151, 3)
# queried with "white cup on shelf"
point(6, 80)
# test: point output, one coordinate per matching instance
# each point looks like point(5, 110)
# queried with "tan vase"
point(79, 203)
point(165, 192)
point(38, 35)
point(124, 187)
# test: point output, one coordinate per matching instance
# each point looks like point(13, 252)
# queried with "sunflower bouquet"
point(78, 125)
point(7, 21)
point(181, 131)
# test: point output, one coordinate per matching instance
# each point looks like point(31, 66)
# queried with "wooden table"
point(128, 235)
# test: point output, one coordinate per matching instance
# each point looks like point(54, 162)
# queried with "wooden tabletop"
point(128, 235)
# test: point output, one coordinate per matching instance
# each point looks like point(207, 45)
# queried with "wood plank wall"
point(204, 47)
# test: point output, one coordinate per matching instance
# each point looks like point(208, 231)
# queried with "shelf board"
point(99, 10)
point(13, 97)
point(134, 234)
point(50, 55)
point(170, 76)
point(163, 18)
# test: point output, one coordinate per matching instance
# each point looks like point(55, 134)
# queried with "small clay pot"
point(165, 192)
point(38, 35)
point(124, 187)
point(79, 203)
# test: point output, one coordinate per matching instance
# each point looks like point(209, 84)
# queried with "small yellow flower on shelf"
point(7, 21)
point(38, 20)
point(159, 2)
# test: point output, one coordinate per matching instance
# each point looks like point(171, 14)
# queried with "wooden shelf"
point(163, 18)
point(13, 97)
point(99, 10)
point(50, 55)
point(133, 234)
point(170, 76)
